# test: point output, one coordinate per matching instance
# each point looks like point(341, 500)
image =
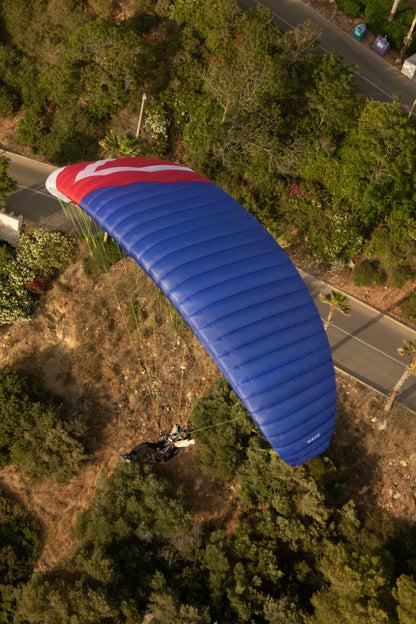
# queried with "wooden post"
point(144, 97)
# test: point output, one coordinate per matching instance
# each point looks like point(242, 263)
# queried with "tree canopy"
point(291, 548)
point(251, 107)
point(38, 432)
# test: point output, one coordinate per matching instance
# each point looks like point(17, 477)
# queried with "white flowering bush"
point(40, 256)
point(157, 121)
point(44, 253)
point(16, 303)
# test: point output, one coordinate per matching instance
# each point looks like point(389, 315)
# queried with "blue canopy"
point(232, 283)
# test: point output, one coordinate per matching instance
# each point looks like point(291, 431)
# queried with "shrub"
point(369, 273)
point(352, 8)
point(400, 275)
point(222, 449)
point(30, 127)
point(73, 136)
point(40, 256)
point(6, 254)
point(16, 303)
point(376, 17)
point(19, 548)
point(50, 443)
point(36, 431)
point(408, 307)
point(8, 102)
point(44, 254)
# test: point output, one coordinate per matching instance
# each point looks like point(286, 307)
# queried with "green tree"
point(30, 127)
point(409, 350)
point(405, 595)
point(355, 591)
point(337, 303)
point(379, 159)
point(48, 600)
point(221, 451)
point(102, 62)
point(164, 606)
point(249, 76)
point(71, 135)
point(135, 526)
point(135, 519)
point(35, 26)
point(49, 442)
point(19, 548)
point(332, 98)
point(7, 184)
point(368, 180)
point(36, 431)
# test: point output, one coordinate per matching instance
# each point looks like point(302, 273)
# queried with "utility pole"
point(144, 98)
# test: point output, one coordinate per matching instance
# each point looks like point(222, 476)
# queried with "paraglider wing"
point(232, 283)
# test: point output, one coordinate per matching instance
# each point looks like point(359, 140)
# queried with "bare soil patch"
point(79, 345)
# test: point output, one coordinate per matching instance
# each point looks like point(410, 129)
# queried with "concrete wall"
point(10, 228)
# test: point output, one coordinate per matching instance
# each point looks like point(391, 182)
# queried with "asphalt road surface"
point(32, 200)
point(365, 344)
point(378, 79)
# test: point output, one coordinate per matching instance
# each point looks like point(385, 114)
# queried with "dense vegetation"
point(19, 548)
point(249, 106)
point(376, 16)
point(37, 432)
point(25, 273)
point(290, 550)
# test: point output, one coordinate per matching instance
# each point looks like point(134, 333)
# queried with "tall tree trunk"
point(408, 39)
point(397, 388)
point(329, 318)
point(393, 10)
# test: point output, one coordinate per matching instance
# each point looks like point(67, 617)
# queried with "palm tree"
point(118, 145)
point(337, 303)
point(407, 40)
point(407, 350)
point(393, 9)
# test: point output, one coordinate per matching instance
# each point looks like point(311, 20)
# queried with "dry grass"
point(79, 346)
point(379, 450)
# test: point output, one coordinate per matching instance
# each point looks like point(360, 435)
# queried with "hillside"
point(78, 345)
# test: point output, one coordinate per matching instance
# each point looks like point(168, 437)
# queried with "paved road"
point(32, 200)
point(365, 343)
point(378, 80)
